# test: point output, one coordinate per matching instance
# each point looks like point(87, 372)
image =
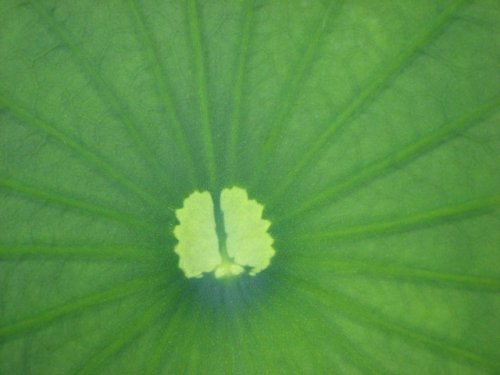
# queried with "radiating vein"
point(394, 160)
point(181, 351)
point(91, 157)
point(44, 252)
point(164, 87)
point(359, 267)
point(306, 331)
point(371, 318)
point(79, 305)
point(171, 328)
point(255, 333)
point(203, 99)
point(368, 95)
point(105, 90)
point(238, 350)
point(354, 354)
point(405, 223)
point(262, 315)
point(247, 330)
point(293, 84)
point(194, 360)
point(66, 201)
point(337, 340)
point(124, 337)
point(239, 81)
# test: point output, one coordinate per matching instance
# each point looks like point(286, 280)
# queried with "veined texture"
point(368, 130)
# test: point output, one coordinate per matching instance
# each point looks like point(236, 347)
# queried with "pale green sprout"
point(227, 237)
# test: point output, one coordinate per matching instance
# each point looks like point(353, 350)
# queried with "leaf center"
point(222, 234)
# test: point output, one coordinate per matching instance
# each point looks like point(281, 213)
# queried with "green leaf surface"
point(368, 130)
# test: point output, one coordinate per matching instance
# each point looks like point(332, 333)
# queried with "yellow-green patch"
point(247, 246)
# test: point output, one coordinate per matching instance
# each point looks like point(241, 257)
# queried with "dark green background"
point(368, 130)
